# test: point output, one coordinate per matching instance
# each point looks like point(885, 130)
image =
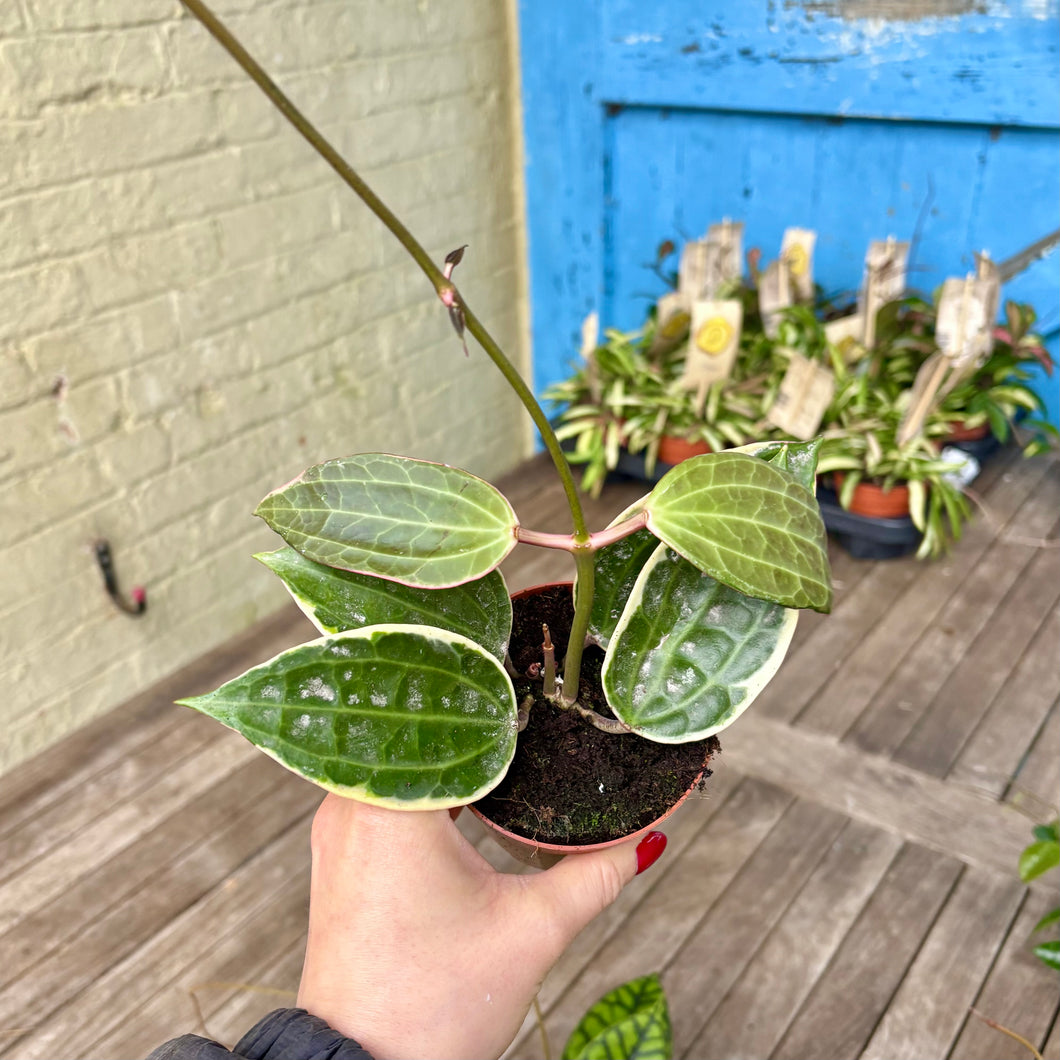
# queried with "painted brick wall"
point(193, 308)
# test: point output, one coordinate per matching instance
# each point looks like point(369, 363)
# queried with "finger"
point(582, 886)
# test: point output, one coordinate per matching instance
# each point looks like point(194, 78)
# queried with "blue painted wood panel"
point(646, 121)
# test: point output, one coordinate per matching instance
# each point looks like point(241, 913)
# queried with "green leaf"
point(408, 521)
point(1049, 953)
point(798, 459)
point(746, 524)
point(337, 600)
point(617, 567)
point(631, 1022)
point(1048, 831)
point(408, 716)
point(689, 655)
point(1038, 858)
point(1050, 918)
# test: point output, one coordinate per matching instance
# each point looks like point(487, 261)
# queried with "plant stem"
point(445, 289)
point(584, 563)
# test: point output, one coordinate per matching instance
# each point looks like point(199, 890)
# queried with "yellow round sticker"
point(798, 259)
point(714, 335)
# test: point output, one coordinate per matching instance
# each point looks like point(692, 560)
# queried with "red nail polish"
point(649, 850)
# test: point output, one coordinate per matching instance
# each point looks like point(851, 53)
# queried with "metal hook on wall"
point(138, 605)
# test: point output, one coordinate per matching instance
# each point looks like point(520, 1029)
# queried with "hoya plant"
point(405, 698)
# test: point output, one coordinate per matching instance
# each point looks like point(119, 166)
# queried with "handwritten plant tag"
point(672, 320)
point(845, 334)
point(774, 295)
point(692, 273)
point(961, 320)
point(712, 343)
point(884, 281)
point(804, 396)
point(988, 280)
point(727, 237)
point(796, 249)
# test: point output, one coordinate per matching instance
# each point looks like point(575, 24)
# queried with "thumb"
point(582, 886)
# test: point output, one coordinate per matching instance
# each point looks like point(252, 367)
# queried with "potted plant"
point(877, 477)
point(417, 695)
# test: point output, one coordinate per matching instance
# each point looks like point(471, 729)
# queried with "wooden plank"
point(50, 875)
point(683, 829)
point(847, 1001)
point(234, 958)
point(936, 741)
point(1019, 993)
point(870, 666)
point(755, 1013)
point(187, 735)
point(74, 910)
point(990, 759)
point(1036, 786)
point(62, 770)
point(655, 930)
point(229, 907)
point(114, 938)
point(276, 986)
point(929, 1009)
point(1052, 1046)
point(717, 951)
point(943, 816)
point(903, 700)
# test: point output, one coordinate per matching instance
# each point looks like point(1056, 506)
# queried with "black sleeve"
point(286, 1034)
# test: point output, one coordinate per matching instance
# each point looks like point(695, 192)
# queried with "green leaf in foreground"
point(409, 521)
point(747, 524)
point(1038, 858)
point(1049, 953)
point(617, 569)
point(337, 600)
point(798, 459)
point(408, 716)
point(689, 655)
point(1050, 918)
point(632, 1022)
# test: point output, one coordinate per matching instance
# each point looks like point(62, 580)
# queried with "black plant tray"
point(864, 537)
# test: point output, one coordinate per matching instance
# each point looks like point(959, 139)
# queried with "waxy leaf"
point(337, 600)
point(615, 570)
point(1049, 953)
point(1038, 858)
point(408, 521)
point(408, 716)
point(632, 1022)
point(689, 655)
point(747, 524)
point(798, 459)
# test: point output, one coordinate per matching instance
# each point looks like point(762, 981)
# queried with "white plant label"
point(796, 250)
point(884, 281)
point(712, 342)
point(804, 396)
point(774, 295)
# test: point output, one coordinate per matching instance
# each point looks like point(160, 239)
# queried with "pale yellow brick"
point(265, 229)
point(101, 344)
point(72, 143)
point(95, 14)
point(72, 68)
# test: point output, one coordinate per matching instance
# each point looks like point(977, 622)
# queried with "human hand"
point(419, 948)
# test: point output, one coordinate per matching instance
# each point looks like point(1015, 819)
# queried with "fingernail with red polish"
point(649, 850)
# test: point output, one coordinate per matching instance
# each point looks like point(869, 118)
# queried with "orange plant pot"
point(673, 450)
point(960, 433)
point(876, 503)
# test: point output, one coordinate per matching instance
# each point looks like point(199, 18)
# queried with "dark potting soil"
point(570, 782)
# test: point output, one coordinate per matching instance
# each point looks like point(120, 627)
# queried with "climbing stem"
point(444, 287)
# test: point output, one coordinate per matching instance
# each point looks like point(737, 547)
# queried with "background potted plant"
point(407, 699)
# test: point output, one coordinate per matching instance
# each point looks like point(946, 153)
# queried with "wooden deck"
point(846, 888)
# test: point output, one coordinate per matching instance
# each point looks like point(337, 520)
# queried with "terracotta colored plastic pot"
point(960, 433)
point(876, 503)
point(544, 855)
point(673, 450)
